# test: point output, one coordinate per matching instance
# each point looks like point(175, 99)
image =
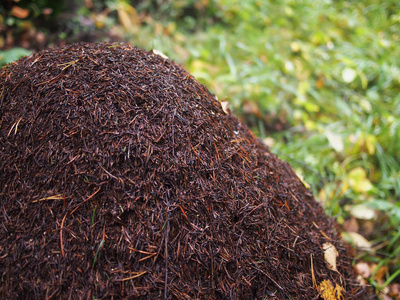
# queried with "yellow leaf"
point(310, 125)
point(370, 143)
point(128, 16)
point(303, 87)
point(358, 180)
point(295, 46)
point(170, 29)
point(310, 107)
point(299, 174)
point(323, 196)
point(365, 142)
point(99, 19)
point(288, 11)
point(328, 292)
point(330, 255)
point(339, 292)
point(124, 19)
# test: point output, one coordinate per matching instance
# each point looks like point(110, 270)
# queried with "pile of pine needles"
point(121, 175)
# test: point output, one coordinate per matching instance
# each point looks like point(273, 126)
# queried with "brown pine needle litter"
point(188, 203)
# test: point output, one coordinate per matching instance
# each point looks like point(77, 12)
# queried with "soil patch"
point(121, 175)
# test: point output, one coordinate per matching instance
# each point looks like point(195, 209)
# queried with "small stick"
point(61, 235)
point(90, 197)
point(266, 274)
point(312, 274)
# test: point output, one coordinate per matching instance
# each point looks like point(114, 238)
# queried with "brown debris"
point(121, 175)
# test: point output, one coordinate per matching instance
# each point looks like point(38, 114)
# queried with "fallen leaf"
point(225, 107)
point(269, 141)
point(385, 297)
point(363, 212)
point(328, 292)
point(252, 108)
point(370, 143)
point(339, 292)
point(320, 83)
point(351, 225)
point(299, 174)
point(47, 11)
point(348, 75)
point(394, 290)
point(330, 255)
point(363, 269)
point(19, 12)
point(160, 53)
point(380, 273)
point(289, 66)
point(128, 16)
point(357, 240)
point(335, 141)
point(295, 46)
point(358, 181)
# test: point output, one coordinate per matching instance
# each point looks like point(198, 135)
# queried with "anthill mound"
point(121, 175)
